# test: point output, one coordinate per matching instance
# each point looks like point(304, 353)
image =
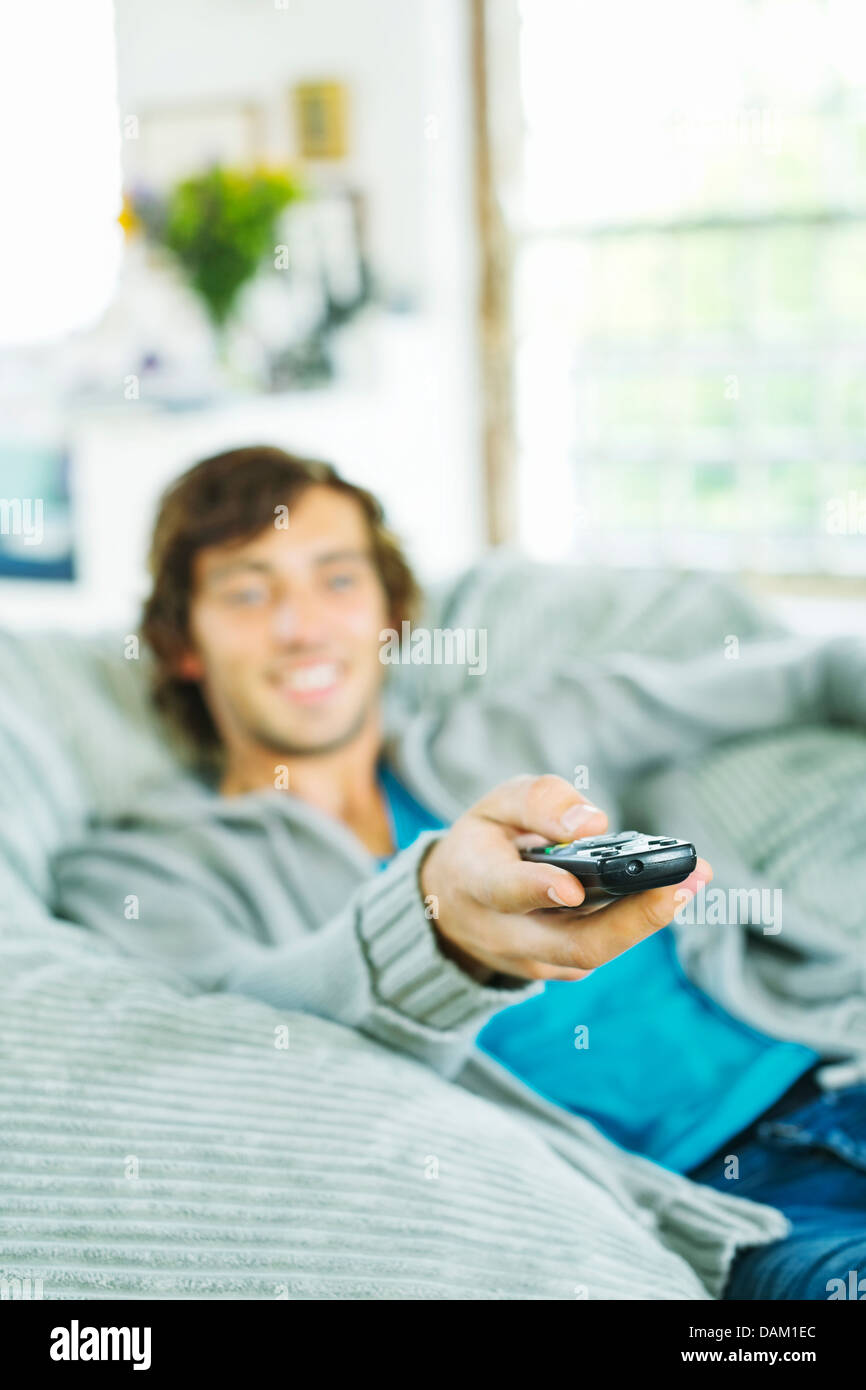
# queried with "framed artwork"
point(321, 119)
point(172, 143)
point(36, 530)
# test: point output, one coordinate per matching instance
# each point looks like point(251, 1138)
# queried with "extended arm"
point(375, 966)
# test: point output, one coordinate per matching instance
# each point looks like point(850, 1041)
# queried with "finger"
point(701, 874)
point(526, 840)
point(516, 887)
point(584, 910)
point(589, 941)
point(546, 805)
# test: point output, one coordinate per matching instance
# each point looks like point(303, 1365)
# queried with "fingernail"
point(554, 896)
point(691, 884)
point(576, 815)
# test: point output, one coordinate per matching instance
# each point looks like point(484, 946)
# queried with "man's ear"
point(189, 667)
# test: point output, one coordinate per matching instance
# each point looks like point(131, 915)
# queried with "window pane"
point(786, 280)
point(846, 275)
point(710, 268)
point(705, 402)
point(849, 400)
point(717, 500)
point(791, 497)
point(787, 399)
point(627, 288)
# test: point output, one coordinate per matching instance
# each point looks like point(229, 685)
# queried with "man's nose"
point(297, 618)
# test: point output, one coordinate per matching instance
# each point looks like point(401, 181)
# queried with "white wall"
point(404, 420)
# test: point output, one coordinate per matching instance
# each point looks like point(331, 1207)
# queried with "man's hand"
point(491, 913)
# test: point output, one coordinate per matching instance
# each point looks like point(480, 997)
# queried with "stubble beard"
point(283, 747)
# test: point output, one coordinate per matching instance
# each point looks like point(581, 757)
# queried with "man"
point(274, 581)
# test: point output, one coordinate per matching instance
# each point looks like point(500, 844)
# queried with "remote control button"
point(592, 840)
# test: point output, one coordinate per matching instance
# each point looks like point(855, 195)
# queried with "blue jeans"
point(806, 1155)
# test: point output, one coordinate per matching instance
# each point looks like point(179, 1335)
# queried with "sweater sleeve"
point(375, 966)
point(640, 712)
point(620, 717)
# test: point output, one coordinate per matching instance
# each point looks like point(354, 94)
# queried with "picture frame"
point(321, 111)
point(167, 144)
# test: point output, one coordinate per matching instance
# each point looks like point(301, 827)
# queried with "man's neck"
point(342, 782)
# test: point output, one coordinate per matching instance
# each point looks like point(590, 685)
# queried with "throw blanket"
point(161, 1143)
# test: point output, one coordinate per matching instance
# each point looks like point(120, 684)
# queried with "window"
point(688, 252)
point(61, 168)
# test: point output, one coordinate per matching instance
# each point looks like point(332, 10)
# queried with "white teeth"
point(312, 677)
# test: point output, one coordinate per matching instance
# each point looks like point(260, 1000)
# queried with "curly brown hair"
point(232, 497)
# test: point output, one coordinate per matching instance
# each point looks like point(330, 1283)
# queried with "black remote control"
point(612, 866)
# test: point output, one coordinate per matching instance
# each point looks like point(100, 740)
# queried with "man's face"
point(285, 629)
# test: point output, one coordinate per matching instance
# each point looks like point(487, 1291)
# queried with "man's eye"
point(342, 581)
point(240, 597)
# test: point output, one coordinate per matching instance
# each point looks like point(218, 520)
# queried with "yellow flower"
point(128, 218)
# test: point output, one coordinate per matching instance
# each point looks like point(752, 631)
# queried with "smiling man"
point(284, 630)
point(312, 865)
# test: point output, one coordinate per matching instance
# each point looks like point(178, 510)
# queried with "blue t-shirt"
point(407, 817)
point(638, 1049)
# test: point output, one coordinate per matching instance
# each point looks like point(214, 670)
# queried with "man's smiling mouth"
point(311, 681)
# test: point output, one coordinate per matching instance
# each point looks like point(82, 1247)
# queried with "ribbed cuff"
point(409, 972)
